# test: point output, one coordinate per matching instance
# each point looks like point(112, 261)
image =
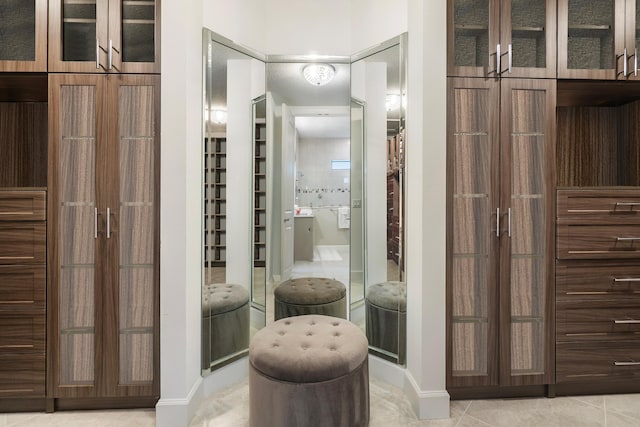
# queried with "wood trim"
point(23, 205)
point(493, 392)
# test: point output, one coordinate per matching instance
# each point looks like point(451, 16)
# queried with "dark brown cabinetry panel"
point(103, 236)
point(597, 285)
point(98, 36)
point(22, 293)
point(500, 246)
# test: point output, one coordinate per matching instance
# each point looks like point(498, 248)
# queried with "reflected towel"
point(344, 217)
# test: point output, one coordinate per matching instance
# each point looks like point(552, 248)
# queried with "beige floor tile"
point(619, 420)
point(625, 404)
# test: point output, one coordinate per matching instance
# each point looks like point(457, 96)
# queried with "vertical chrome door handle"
point(95, 223)
point(510, 57)
point(498, 55)
point(635, 63)
point(97, 53)
point(625, 66)
point(509, 222)
point(497, 222)
point(108, 223)
point(110, 55)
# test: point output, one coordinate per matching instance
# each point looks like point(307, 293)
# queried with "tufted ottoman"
point(386, 317)
point(309, 370)
point(225, 321)
point(310, 295)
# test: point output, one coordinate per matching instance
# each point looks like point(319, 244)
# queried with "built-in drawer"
point(606, 205)
point(598, 241)
point(597, 320)
point(602, 361)
point(597, 280)
point(22, 375)
point(23, 205)
point(22, 332)
point(22, 287)
point(22, 242)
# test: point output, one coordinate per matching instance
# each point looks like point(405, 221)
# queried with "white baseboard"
point(226, 376)
point(178, 412)
point(386, 371)
point(428, 405)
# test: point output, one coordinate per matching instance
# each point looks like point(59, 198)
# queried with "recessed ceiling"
point(287, 85)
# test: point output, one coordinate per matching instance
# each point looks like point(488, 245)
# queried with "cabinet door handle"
point(498, 55)
point(635, 63)
point(110, 55)
point(629, 279)
point(97, 53)
point(626, 363)
point(95, 223)
point(497, 222)
point(510, 56)
point(627, 239)
point(509, 222)
point(108, 223)
point(626, 322)
point(625, 66)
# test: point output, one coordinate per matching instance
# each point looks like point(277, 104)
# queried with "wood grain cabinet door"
point(473, 232)
point(489, 38)
point(104, 36)
point(103, 238)
point(23, 28)
point(527, 242)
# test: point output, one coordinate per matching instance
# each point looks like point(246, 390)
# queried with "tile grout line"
point(604, 407)
point(464, 413)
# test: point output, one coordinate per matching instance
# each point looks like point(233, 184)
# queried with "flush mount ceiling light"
point(318, 74)
point(392, 102)
point(219, 116)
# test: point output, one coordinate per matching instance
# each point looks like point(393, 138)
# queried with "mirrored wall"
point(286, 143)
point(378, 90)
point(233, 79)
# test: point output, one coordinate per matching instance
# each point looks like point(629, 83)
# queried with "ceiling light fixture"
point(219, 116)
point(318, 74)
point(392, 102)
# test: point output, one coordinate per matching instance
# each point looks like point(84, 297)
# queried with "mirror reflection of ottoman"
point(310, 295)
point(225, 321)
point(309, 371)
point(386, 318)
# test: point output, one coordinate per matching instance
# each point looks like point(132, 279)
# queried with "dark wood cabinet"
point(98, 36)
point(500, 204)
point(491, 38)
point(103, 240)
point(23, 28)
point(598, 39)
point(22, 293)
point(597, 283)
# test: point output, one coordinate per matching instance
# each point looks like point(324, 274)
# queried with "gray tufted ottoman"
point(225, 321)
point(310, 371)
point(310, 295)
point(386, 317)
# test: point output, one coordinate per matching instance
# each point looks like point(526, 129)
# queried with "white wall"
point(242, 21)
point(303, 27)
point(374, 21)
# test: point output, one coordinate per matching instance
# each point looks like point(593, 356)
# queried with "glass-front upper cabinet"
point(98, 36)
point(492, 38)
point(598, 39)
point(23, 31)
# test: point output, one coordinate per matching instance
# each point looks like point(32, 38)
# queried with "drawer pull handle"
point(626, 363)
point(630, 279)
point(626, 322)
point(627, 239)
point(630, 204)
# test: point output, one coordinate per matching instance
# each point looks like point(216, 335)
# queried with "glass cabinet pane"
point(18, 30)
point(79, 30)
point(528, 35)
point(136, 233)
point(471, 26)
point(138, 30)
point(591, 34)
point(76, 175)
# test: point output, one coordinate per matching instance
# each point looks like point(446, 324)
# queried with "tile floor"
point(389, 408)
